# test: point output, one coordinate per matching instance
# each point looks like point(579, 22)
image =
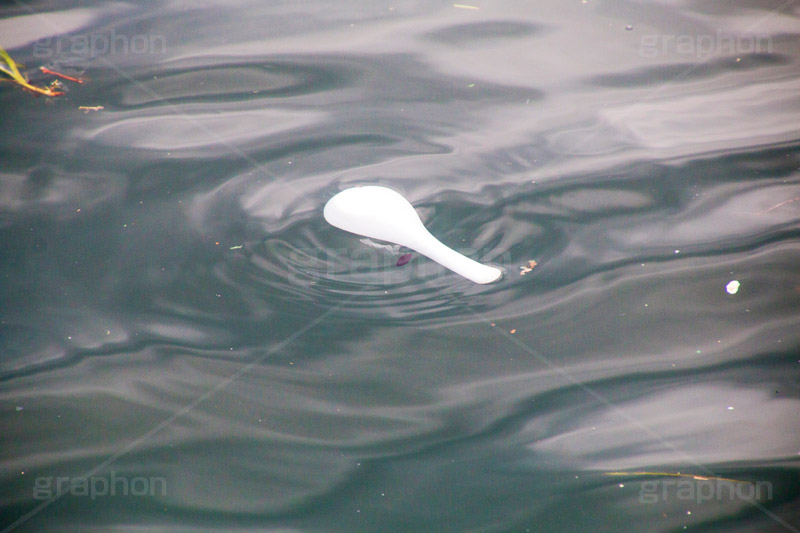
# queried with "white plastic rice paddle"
point(381, 213)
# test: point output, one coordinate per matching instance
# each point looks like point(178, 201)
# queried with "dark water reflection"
point(175, 307)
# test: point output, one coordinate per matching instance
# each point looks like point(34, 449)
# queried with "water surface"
point(175, 308)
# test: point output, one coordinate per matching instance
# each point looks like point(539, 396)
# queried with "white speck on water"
point(732, 287)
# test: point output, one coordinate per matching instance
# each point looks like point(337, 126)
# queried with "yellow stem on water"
point(15, 74)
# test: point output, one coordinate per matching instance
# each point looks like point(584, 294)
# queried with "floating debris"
point(403, 260)
point(525, 269)
point(382, 213)
point(60, 75)
point(87, 108)
point(671, 474)
point(237, 247)
point(790, 200)
point(462, 6)
point(10, 67)
point(732, 287)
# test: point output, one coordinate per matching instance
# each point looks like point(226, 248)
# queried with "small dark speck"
point(629, 27)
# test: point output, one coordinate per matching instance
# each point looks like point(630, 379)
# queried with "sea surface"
point(186, 345)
